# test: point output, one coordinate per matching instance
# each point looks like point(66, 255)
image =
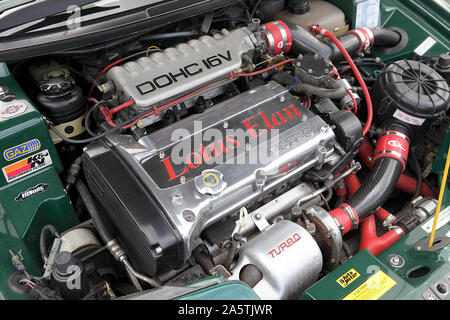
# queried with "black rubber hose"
point(386, 38)
point(377, 187)
point(46, 230)
point(91, 207)
point(380, 183)
point(303, 41)
point(383, 38)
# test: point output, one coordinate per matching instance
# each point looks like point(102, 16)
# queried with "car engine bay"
point(264, 143)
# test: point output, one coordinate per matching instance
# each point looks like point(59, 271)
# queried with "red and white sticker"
point(408, 118)
point(27, 166)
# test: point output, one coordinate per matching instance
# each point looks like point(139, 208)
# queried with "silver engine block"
point(194, 194)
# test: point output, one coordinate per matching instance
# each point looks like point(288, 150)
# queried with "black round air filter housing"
point(410, 92)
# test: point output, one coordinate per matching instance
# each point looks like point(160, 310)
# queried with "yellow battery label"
point(348, 278)
point(373, 288)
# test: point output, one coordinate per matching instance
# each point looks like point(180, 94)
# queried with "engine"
point(165, 189)
point(174, 202)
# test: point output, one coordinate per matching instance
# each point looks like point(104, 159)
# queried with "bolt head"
point(260, 182)
point(188, 216)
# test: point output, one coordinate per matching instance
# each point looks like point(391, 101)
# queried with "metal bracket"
point(439, 243)
point(260, 221)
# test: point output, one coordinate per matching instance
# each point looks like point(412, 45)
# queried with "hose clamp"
point(388, 222)
point(399, 231)
point(352, 214)
point(365, 37)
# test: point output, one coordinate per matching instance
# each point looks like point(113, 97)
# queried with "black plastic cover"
point(141, 224)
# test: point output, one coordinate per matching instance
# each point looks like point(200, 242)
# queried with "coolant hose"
point(389, 162)
point(373, 243)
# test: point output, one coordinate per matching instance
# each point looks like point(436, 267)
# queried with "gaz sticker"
point(373, 288)
point(22, 149)
point(26, 166)
point(348, 278)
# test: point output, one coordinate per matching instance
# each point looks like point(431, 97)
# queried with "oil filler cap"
point(210, 182)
